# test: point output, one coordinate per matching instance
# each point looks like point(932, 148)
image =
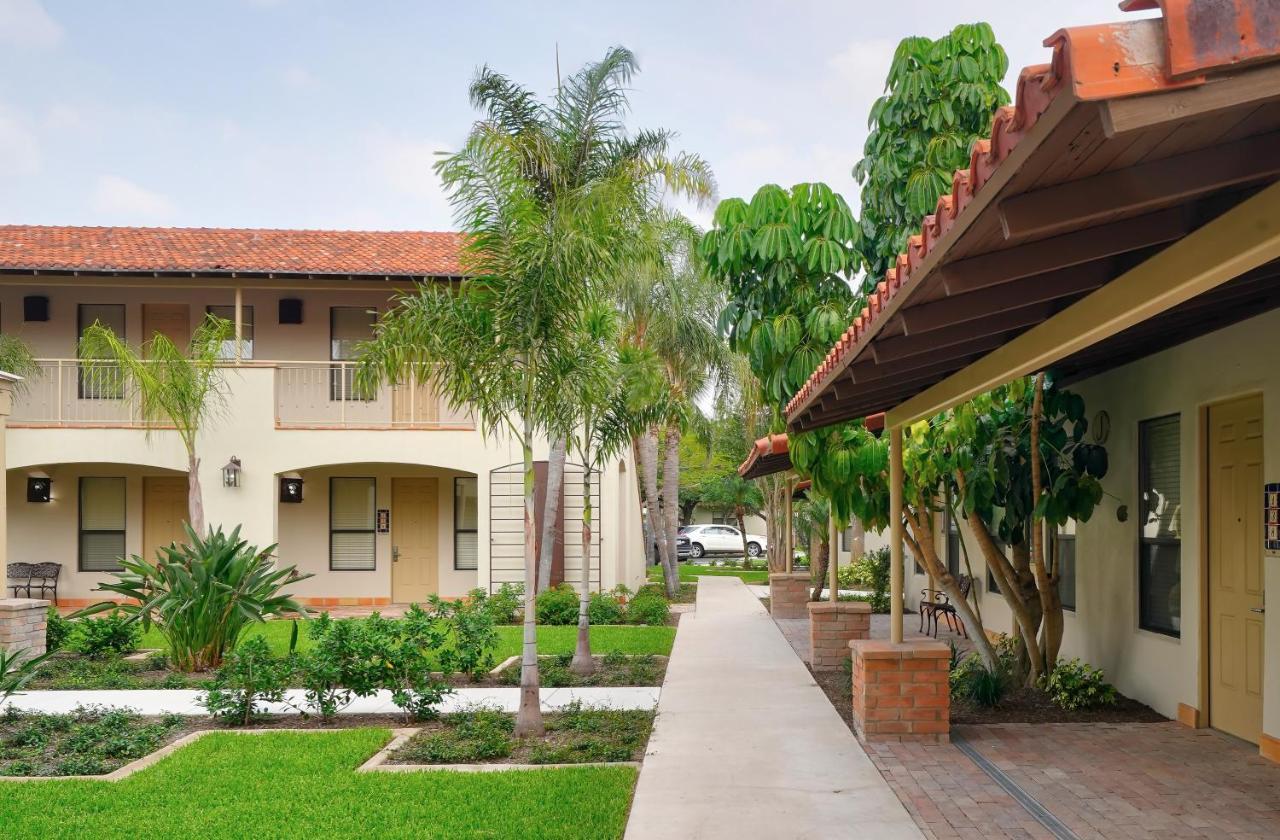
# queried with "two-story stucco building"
point(400, 496)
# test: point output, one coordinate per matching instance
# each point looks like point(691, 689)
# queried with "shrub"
point(106, 637)
point(201, 595)
point(648, 608)
point(504, 605)
point(557, 605)
point(408, 650)
point(880, 564)
point(605, 608)
point(56, 630)
point(1075, 685)
point(469, 736)
point(249, 677)
point(16, 670)
point(971, 680)
point(472, 637)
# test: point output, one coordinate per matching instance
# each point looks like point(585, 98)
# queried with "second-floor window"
point(348, 326)
point(99, 380)
point(228, 313)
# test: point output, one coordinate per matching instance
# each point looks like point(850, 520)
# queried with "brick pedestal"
point(788, 594)
point(22, 624)
point(831, 627)
point(900, 691)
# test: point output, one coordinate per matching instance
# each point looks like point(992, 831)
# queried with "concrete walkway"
point(186, 702)
point(746, 745)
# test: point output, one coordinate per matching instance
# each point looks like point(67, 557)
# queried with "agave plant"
point(201, 595)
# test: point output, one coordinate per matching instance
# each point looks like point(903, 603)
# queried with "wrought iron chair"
point(935, 602)
point(19, 575)
point(44, 576)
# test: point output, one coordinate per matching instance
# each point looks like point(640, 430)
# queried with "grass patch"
point(90, 741)
point(612, 669)
point(631, 640)
point(690, 572)
point(302, 785)
point(576, 735)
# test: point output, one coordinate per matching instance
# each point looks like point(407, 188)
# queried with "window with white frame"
point(466, 521)
point(352, 524)
point(102, 523)
point(1160, 525)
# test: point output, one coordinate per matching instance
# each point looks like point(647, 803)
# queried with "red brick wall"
point(900, 691)
point(832, 627)
point(788, 594)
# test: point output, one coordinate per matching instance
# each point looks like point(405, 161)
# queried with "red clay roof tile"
point(225, 250)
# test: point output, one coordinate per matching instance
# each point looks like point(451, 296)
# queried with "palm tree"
point(672, 353)
point(16, 358)
point(550, 197)
point(181, 387)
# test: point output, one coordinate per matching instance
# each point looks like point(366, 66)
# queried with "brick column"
point(788, 594)
point(900, 691)
point(831, 627)
point(22, 624)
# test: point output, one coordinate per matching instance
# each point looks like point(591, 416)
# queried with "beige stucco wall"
point(754, 524)
point(1159, 670)
point(247, 429)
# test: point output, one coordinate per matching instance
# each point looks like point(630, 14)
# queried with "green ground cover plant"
point(91, 740)
point(691, 573)
point(612, 669)
point(214, 788)
point(575, 735)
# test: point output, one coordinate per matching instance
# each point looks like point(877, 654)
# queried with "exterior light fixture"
point(39, 488)
point(231, 473)
point(290, 490)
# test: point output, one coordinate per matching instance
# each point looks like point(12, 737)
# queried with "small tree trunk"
point(551, 510)
point(529, 716)
point(671, 495)
point(646, 525)
point(818, 555)
point(583, 663)
point(857, 539)
point(1046, 585)
point(739, 516)
point(775, 491)
point(649, 469)
point(195, 500)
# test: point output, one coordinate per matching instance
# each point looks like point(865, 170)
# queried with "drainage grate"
point(1026, 800)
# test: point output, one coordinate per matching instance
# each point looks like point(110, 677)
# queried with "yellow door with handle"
point(415, 544)
point(1235, 567)
point(164, 511)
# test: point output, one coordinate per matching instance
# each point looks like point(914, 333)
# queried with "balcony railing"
point(308, 395)
point(323, 395)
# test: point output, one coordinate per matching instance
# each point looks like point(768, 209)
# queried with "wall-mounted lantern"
point(39, 488)
point(290, 489)
point(231, 473)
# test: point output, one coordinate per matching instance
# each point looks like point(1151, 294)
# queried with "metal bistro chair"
point(19, 575)
point(935, 602)
point(44, 576)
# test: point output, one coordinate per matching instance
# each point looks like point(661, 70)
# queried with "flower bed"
point(91, 741)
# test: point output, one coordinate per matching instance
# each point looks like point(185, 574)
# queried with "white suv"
point(700, 540)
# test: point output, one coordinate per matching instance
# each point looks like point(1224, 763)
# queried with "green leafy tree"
point(551, 197)
point(181, 387)
point(16, 358)
point(939, 98)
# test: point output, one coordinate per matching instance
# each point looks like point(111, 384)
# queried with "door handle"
point(395, 554)
point(1258, 609)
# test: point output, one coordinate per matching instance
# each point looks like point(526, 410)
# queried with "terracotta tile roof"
point(767, 456)
point(224, 250)
point(1105, 61)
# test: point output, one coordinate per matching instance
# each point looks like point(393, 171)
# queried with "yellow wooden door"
point(1235, 567)
point(415, 564)
point(164, 510)
point(172, 320)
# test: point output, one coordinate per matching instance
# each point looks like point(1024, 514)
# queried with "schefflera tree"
point(787, 260)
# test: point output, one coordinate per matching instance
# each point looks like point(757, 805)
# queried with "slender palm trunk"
point(646, 525)
point(195, 500)
point(818, 562)
point(551, 510)
point(671, 496)
point(649, 469)
point(583, 664)
point(529, 716)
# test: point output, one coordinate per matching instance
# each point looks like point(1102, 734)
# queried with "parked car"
point(700, 540)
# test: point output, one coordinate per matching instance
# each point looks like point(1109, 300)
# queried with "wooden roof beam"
point(997, 323)
point(1219, 93)
point(1144, 186)
point(1065, 251)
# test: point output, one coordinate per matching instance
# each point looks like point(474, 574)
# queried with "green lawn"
point(692, 572)
point(292, 784)
point(551, 640)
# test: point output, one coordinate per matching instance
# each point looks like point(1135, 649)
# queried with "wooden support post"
point(895, 534)
point(239, 325)
point(789, 538)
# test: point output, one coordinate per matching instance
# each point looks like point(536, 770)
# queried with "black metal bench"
point(19, 578)
point(935, 602)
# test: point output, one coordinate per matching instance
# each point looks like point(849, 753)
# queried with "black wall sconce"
point(38, 488)
point(291, 490)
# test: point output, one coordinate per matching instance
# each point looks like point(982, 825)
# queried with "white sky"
point(305, 113)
